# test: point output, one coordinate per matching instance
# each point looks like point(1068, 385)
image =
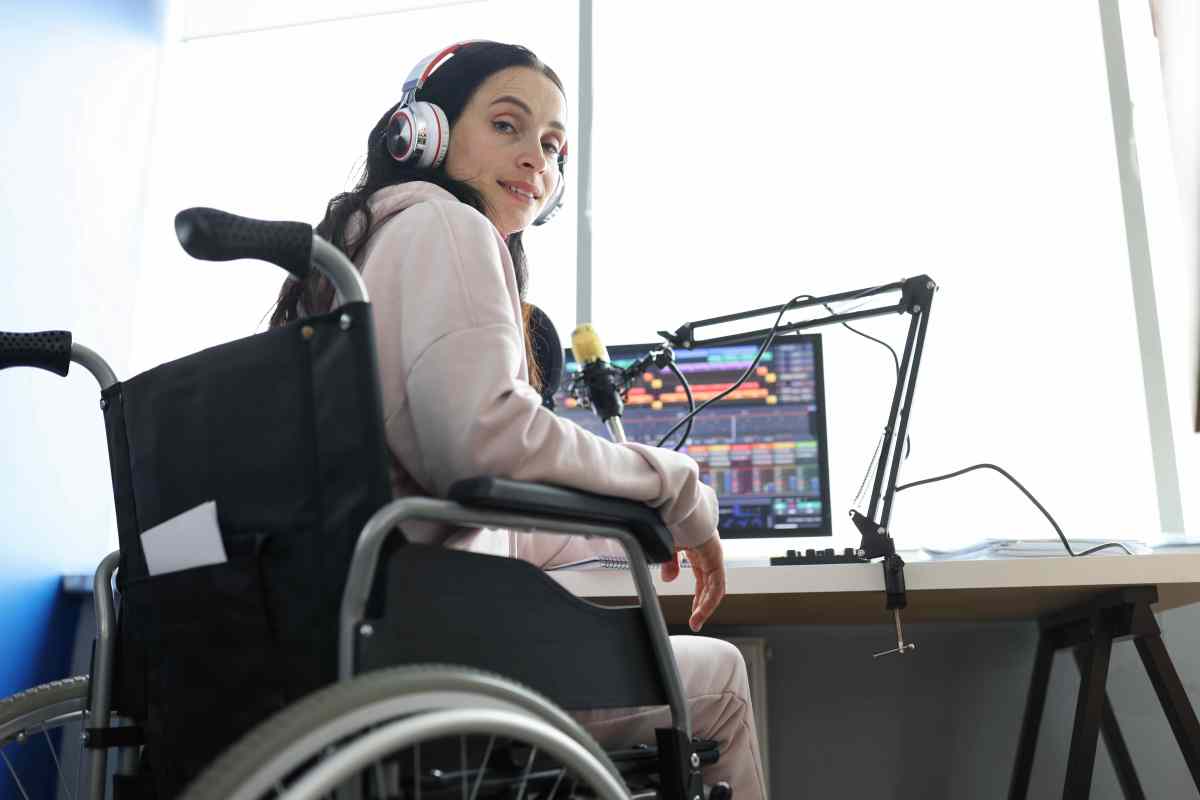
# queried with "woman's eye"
point(552, 147)
point(503, 127)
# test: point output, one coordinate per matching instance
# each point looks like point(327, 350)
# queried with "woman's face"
point(506, 143)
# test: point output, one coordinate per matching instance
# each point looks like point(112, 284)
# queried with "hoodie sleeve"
point(451, 345)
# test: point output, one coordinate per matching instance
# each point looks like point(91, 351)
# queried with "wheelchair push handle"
point(48, 350)
point(213, 235)
point(52, 351)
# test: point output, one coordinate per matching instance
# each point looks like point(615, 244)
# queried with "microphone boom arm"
point(916, 297)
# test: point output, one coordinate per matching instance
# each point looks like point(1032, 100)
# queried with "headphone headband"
point(421, 72)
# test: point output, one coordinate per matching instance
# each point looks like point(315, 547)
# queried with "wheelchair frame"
point(102, 733)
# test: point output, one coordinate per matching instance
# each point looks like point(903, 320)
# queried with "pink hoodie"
point(456, 397)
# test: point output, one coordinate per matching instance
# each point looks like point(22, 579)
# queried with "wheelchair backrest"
point(284, 431)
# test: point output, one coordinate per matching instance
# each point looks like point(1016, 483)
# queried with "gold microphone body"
point(603, 393)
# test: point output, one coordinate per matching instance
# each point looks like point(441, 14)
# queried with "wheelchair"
point(329, 656)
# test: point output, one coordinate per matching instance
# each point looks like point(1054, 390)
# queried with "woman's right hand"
point(708, 565)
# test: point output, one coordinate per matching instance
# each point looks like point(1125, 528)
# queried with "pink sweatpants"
point(712, 671)
point(718, 695)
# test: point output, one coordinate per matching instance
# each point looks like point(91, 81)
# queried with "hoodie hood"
point(389, 201)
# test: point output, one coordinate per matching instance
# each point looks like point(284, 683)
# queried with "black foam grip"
point(48, 350)
point(213, 235)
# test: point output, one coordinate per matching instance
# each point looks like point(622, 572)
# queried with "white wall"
point(78, 92)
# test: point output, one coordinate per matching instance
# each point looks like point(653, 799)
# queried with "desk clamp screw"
point(901, 646)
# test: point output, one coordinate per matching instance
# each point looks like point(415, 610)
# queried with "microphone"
point(601, 380)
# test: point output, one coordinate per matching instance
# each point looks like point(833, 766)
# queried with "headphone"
point(547, 353)
point(419, 134)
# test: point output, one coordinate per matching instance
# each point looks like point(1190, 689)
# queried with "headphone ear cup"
point(400, 139)
point(438, 139)
point(419, 133)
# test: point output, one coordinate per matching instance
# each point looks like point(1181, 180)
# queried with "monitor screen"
point(762, 448)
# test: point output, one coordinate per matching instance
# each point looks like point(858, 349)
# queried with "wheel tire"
point(366, 698)
point(41, 704)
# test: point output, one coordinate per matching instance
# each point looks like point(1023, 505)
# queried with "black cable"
point(1033, 499)
point(895, 360)
point(762, 349)
point(870, 468)
point(847, 325)
point(687, 389)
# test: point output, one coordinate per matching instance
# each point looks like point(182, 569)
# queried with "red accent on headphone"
point(437, 60)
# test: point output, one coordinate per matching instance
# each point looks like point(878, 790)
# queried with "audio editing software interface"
point(762, 448)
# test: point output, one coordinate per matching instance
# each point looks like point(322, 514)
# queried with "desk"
point(948, 591)
point(977, 590)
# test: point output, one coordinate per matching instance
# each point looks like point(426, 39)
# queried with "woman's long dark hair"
point(451, 87)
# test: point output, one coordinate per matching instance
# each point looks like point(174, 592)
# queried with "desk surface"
point(993, 589)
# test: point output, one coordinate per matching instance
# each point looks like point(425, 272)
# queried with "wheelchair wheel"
point(32, 719)
point(430, 731)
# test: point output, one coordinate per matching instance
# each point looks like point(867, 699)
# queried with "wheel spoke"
point(525, 776)
point(379, 773)
point(462, 762)
point(554, 789)
point(13, 772)
point(79, 756)
point(487, 754)
point(57, 765)
point(417, 771)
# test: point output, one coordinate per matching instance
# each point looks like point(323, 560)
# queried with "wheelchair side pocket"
point(213, 670)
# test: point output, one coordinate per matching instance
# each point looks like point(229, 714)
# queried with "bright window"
point(825, 147)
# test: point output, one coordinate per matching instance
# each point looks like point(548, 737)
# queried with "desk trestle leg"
point(1090, 631)
point(1118, 751)
point(1093, 675)
point(1035, 701)
point(1173, 698)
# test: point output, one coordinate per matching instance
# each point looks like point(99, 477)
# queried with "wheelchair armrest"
point(555, 501)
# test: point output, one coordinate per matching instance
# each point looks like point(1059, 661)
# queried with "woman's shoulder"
point(426, 205)
point(423, 223)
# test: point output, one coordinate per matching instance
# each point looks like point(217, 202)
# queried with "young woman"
point(436, 225)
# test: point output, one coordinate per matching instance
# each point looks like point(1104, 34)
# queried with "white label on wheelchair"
point(191, 539)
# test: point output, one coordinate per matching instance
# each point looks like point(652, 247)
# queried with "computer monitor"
point(762, 448)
